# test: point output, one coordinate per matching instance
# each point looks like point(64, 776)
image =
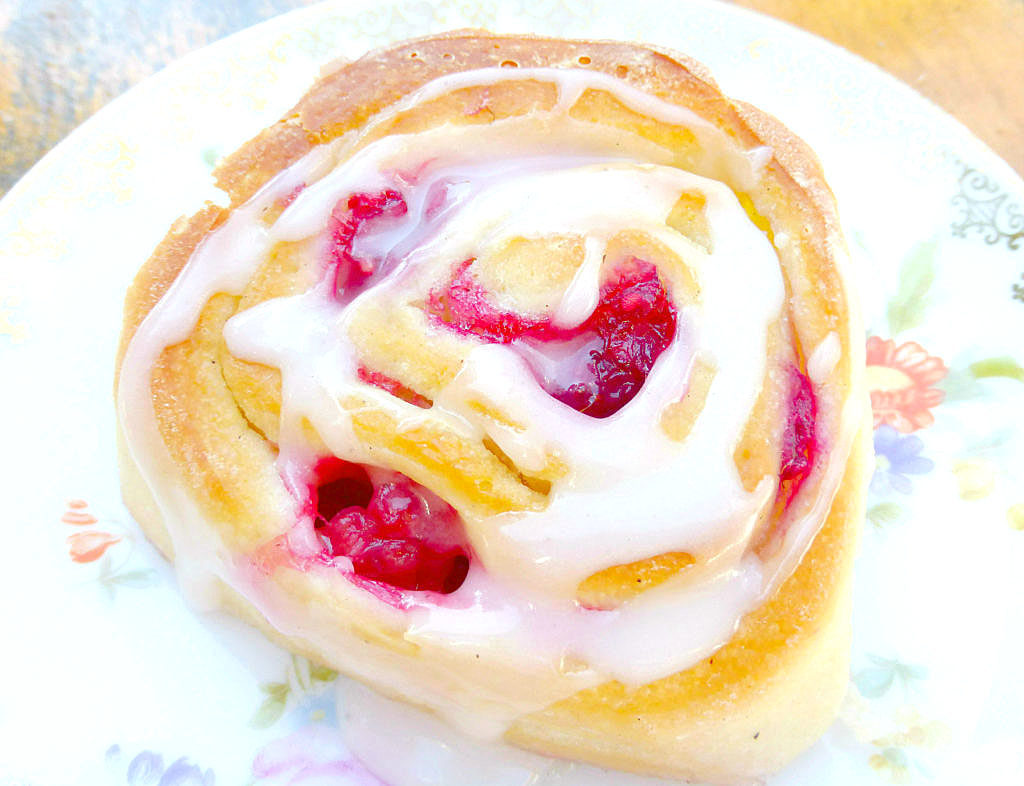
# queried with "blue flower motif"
point(896, 457)
point(145, 769)
point(185, 773)
point(320, 708)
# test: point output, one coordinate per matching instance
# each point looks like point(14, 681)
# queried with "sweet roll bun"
point(521, 380)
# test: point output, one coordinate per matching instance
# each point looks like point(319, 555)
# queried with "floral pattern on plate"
point(934, 223)
point(94, 541)
point(147, 768)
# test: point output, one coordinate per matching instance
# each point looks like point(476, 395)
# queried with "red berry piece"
point(348, 218)
point(394, 387)
point(464, 307)
point(799, 441)
point(395, 532)
point(633, 323)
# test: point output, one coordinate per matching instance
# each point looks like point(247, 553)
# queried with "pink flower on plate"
point(900, 380)
point(77, 514)
point(90, 546)
point(312, 756)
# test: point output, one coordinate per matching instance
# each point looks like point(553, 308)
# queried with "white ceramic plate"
point(110, 678)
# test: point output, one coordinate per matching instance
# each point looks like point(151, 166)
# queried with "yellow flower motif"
point(330, 34)
point(916, 732)
point(1015, 515)
point(301, 40)
point(900, 735)
point(9, 324)
point(975, 477)
point(260, 82)
point(374, 22)
point(104, 176)
point(859, 716)
point(113, 153)
point(33, 239)
point(891, 767)
point(754, 48)
point(472, 12)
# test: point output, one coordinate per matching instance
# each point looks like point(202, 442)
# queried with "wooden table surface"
point(61, 60)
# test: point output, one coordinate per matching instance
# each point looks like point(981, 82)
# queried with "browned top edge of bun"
point(162, 268)
point(345, 97)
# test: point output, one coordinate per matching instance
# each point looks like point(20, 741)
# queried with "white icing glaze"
point(625, 469)
point(824, 358)
point(581, 296)
point(433, 754)
point(631, 493)
point(551, 551)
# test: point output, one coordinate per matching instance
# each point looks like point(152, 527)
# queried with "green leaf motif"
point(1005, 367)
point(276, 690)
point(104, 577)
point(273, 706)
point(303, 680)
point(321, 673)
point(104, 566)
point(873, 683)
point(268, 714)
point(910, 671)
point(907, 307)
point(133, 578)
point(896, 756)
point(884, 513)
point(299, 672)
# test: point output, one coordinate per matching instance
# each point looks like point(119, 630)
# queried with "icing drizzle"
point(629, 493)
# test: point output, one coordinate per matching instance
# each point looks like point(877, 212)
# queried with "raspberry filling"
point(799, 443)
point(393, 386)
point(352, 216)
point(393, 529)
point(597, 367)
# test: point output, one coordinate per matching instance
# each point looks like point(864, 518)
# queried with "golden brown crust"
point(752, 706)
point(349, 95)
point(380, 78)
point(162, 268)
point(732, 716)
point(737, 715)
point(346, 97)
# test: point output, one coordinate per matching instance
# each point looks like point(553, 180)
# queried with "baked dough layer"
point(775, 686)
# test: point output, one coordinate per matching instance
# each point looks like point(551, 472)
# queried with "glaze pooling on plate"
point(925, 698)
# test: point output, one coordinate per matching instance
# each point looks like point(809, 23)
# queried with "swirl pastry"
point(519, 380)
